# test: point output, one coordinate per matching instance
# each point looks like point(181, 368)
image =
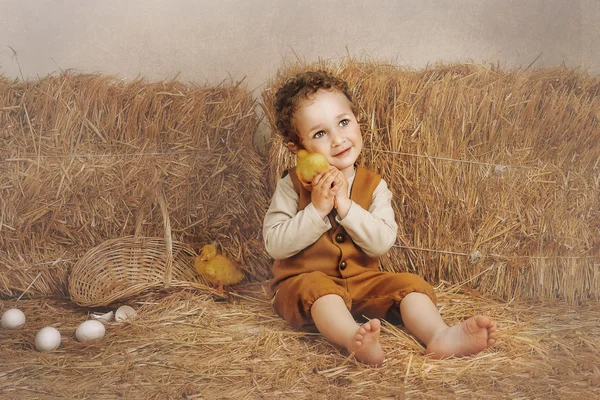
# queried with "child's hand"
point(325, 186)
point(342, 202)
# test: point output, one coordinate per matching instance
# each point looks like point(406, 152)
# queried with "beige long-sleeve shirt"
point(287, 231)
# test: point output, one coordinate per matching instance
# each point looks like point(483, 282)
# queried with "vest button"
point(339, 238)
point(343, 265)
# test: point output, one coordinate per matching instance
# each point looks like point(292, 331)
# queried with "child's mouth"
point(343, 153)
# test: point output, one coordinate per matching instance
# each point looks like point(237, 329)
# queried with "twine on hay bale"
point(494, 173)
point(79, 152)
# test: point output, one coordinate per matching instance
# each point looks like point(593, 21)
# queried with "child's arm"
point(373, 230)
point(286, 231)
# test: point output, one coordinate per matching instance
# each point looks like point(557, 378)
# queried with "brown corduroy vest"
point(334, 253)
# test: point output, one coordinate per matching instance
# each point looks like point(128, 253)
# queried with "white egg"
point(123, 313)
point(90, 330)
point(47, 339)
point(13, 319)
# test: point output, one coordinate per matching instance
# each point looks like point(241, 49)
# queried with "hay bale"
point(494, 173)
point(78, 154)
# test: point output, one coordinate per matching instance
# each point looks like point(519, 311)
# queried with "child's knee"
point(416, 284)
point(295, 296)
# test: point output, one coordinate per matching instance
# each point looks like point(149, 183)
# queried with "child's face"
point(326, 124)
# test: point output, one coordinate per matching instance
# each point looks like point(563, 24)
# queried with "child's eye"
point(344, 122)
point(319, 134)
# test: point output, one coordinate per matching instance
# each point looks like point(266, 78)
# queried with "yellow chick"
point(216, 268)
point(310, 164)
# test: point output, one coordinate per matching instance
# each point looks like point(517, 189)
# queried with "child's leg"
point(422, 318)
point(336, 324)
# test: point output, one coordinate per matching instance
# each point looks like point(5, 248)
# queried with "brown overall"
point(335, 265)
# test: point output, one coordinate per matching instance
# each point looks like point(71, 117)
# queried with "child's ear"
point(293, 147)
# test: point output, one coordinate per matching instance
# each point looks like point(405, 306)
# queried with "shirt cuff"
point(322, 224)
point(348, 215)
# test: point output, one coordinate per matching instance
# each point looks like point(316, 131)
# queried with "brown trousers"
point(371, 293)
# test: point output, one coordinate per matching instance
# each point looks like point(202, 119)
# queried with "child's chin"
point(344, 163)
point(345, 166)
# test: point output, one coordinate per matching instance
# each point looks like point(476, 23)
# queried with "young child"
point(326, 237)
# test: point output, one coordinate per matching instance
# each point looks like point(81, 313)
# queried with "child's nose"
point(338, 139)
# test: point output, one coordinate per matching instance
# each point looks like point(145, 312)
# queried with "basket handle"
point(158, 193)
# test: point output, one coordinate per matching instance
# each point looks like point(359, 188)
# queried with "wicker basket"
point(120, 268)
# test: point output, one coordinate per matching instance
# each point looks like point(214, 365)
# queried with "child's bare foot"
point(365, 343)
point(469, 337)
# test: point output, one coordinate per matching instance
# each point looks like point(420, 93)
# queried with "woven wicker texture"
point(120, 268)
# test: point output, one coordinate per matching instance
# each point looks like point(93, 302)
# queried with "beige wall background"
point(212, 40)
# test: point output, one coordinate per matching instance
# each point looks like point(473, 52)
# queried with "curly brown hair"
point(298, 88)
